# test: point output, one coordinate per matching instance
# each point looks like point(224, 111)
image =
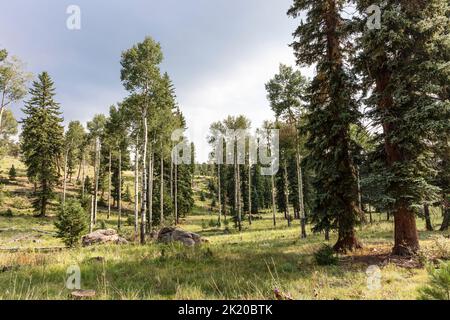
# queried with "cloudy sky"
point(219, 53)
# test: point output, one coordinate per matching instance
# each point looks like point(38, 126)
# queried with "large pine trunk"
point(406, 235)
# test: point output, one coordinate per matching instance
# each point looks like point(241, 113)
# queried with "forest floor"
point(252, 264)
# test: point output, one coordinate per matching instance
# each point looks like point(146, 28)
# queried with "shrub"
point(12, 173)
point(438, 287)
point(326, 256)
point(71, 222)
point(20, 203)
point(202, 196)
point(130, 220)
point(7, 214)
point(127, 196)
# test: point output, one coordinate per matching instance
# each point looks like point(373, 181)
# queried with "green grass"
point(232, 265)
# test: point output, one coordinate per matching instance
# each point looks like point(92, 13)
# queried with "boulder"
point(101, 237)
point(171, 234)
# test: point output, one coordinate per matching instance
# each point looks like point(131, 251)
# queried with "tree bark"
point(150, 191)
point(65, 177)
point(96, 173)
point(136, 189)
point(144, 181)
point(119, 198)
point(220, 192)
point(176, 193)
point(446, 218)
point(83, 177)
point(109, 185)
point(249, 191)
point(286, 194)
point(161, 198)
point(426, 212)
point(274, 209)
point(301, 201)
point(406, 235)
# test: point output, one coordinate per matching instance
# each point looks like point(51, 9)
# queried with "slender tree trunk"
point(144, 182)
point(136, 189)
point(286, 194)
point(301, 202)
point(446, 218)
point(161, 198)
point(426, 211)
point(119, 198)
point(239, 201)
point(360, 205)
point(249, 191)
point(1, 118)
point(274, 209)
point(150, 191)
point(220, 192)
point(91, 221)
point(83, 177)
point(79, 169)
point(176, 193)
point(65, 177)
point(171, 179)
point(96, 174)
point(109, 185)
point(236, 214)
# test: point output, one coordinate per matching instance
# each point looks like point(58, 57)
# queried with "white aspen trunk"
point(249, 191)
point(274, 210)
point(136, 188)
point(161, 198)
point(119, 200)
point(286, 194)
point(83, 176)
point(301, 202)
point(150, 191)
point(176, 193)
point(96, 174)
point(109, 185)
point(91, 221)
point(235, 190)
point(2, 108)
point(65, 178)
point(220, 192)
point(144, 182)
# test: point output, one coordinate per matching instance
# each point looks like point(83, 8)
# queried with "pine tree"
point(322, 39)
point(12, 173)
point(42, 140)
point(405, 67)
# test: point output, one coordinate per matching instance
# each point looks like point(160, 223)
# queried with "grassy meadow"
point(231, 265)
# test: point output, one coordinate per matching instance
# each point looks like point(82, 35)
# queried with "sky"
point(219, 53)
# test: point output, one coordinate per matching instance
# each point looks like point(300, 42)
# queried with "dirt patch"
point(380, 256)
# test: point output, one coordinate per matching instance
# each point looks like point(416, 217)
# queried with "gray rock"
point(102, 237)
point(171, 234)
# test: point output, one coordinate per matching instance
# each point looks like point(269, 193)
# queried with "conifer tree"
point(321, 39)
point(42, 140)
point(405, 68)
